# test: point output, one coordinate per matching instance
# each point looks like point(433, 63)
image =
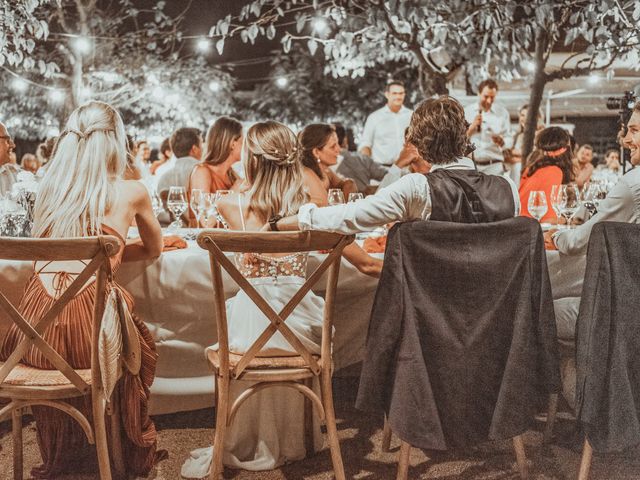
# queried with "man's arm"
point(367, 136)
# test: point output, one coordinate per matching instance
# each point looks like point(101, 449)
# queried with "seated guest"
point(439, 131)
point(8, 170)
point(611, 170)
point(29, 162)
point(409, 161)
point(164, 155)
point(513, 156)
point(320, 150)
point(270, 431)
point(622, 203)
point(83, 194)
point(582, 164)
point(548, 165)
point(357, 166)
point(223, 146)
point(44, 154)
point(186, 144)
point(132, 172)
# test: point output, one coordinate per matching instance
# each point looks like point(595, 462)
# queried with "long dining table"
point(174, 297)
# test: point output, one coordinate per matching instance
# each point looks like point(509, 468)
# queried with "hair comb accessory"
point(555, 153)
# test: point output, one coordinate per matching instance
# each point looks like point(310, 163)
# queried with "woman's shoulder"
point(131, 188)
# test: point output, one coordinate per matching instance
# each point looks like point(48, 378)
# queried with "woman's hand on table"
point(172, 242)
point(548, 239)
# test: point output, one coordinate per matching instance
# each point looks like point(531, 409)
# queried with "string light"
point(81, 45)
point(529, 66)
point(282, 82)
point(203, 45)
point(19, 85)
point(594, 79)
point(319, 25)
point(57, 96)
point(214, 86)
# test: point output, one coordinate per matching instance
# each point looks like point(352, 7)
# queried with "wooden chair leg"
point(16, 424)
point(115, 445)
point(403, 461)
point(551, 418)
point(521, 458)
point(332, 429)
point(222, 416)
point(386, 436)
point(585, 462)
point(308, 422)
point(100, 434)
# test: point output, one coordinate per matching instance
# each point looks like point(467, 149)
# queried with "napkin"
point(375, 244)
point(173, 242)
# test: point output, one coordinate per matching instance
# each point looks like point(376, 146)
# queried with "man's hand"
point(548, 239)
point(475, 125)
point(408, 155)
point(498, 140)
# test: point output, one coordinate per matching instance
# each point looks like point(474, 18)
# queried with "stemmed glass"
point(195, 202)
point(214, 210)
point(156, 203)
point(354, 197)
point(177, 204)
point(537, 205)
point(555, 200)
point(589, 197)
point(335, 196)
point(569, 197)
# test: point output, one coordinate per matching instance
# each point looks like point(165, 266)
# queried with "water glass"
point(335, 196)
point(589, 197)
point(354, 197)
point(195, 202)
point(156, 203)
point(569, 197)
point(177, 204)
point(537, 205)
point(554, 199)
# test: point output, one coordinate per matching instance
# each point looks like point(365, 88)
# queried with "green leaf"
point(220, 46)
point(300, 22)
point(312, 45)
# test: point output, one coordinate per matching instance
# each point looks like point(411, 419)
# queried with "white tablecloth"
point(174, 296)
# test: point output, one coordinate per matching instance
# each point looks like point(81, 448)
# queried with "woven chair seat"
point(27, 376)
point(260, 363)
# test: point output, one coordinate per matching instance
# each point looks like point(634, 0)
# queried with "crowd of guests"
point(96, 181)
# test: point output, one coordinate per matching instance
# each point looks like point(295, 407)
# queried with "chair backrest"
point(608, 339)
point(98, 251)
point(217, 242)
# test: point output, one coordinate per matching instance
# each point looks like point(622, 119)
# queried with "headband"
point(555, 153)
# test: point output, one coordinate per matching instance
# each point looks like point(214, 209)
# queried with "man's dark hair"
point(438, 130)
point(341, 132)
point(391, 83)
point(165, 145)
point(489, 82)
point(552, 140)
point(183, 139)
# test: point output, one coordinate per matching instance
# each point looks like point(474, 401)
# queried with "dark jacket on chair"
point(462, 339)
point(608, 339)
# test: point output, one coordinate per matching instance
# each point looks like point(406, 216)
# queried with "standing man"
point(8, 170)
point(489, 124)
point(384, 129)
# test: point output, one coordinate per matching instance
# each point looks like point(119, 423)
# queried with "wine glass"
point(354, 197)
point(335, 196)
point(156, 203)
point(537, 205)
point(195, 202)
point(177, 204)
point(214, 209)
point(589, 197)
point(569, 199)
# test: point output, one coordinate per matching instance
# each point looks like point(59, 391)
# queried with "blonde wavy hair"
point(79, 187)
point(273, 169)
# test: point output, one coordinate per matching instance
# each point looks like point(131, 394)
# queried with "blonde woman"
point(83, 194)
point(224, 142)
point(270, 430)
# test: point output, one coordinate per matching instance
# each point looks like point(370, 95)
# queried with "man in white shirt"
point(186, 144)
point(383, 135)
point(8, 170)
point(489, 124)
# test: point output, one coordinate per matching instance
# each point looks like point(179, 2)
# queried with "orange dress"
point(63, 444)
point(542, 179)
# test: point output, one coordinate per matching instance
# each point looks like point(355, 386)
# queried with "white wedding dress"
point(268, 430)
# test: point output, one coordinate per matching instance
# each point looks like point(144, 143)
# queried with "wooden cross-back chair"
point(291, 371)
point(26, 386)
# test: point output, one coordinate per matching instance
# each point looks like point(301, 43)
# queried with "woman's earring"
point(318, 159)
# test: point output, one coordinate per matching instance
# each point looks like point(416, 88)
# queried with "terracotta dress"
point(63, 444)
point(543, 179)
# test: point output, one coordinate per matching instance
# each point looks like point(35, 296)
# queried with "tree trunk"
point(432, 83)
point(535, 97)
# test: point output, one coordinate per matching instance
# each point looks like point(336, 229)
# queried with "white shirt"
point(165, 167)
point(494, 122)
point(384, 133)
point(8, 175)
point(407, 199)
point(621, 205)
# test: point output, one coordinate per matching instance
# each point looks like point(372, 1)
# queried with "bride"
point(269, 430)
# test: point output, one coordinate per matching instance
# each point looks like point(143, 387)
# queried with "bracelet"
point(273, 222)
